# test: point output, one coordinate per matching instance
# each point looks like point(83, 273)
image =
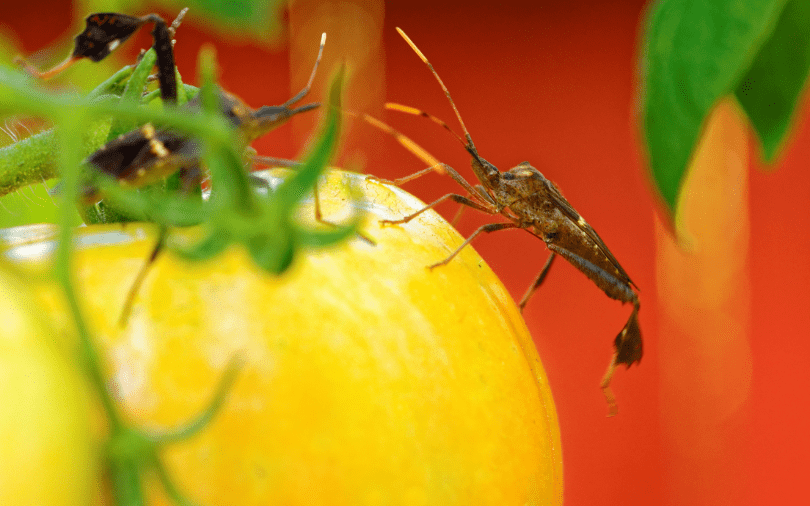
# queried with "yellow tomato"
point(367, 378)
point(46, 451)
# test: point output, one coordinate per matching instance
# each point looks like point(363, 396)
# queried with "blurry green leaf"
point(31, 204)
point(694, 52)
point(153, 205)
point(132, 93)
point(265, 224)
point(213, 244)
point(301, 183)
point(114, 85)
point(323, 238)
point(238, 10)
point(272, 253)
point(770, 90)
point(34, 158)
point(236, 18)
point(9, 46)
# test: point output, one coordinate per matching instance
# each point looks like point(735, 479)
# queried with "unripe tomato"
point(367, 378)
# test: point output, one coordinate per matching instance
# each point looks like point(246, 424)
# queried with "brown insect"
point(146, 155)
point(532, 203)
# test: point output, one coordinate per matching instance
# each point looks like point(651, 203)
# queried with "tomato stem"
point(71, 123)
point(205, 417)
point(127, 484)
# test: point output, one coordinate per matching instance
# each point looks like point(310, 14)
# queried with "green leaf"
point(213, 244)
point(324, 238)
point(272, 253)
point(239, 10)
point(770, 90)
point(114, 85)
point(34, 158)
point(239, 17)
point(231, 185)
point(132, 93)
point(301, 183)
point(192, 427)
point(152, 204)
point(694, 52)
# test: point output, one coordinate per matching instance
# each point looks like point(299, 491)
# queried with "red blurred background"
point(553, 83)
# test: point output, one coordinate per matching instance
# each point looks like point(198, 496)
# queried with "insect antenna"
point(392, 106)
point(301, 94)
point(405, 141)
point(469, 144)
point(176, 23)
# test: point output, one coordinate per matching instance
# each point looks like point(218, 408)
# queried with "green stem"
point(34, 158)
point(168, 485)
point(70, 125)
point(132, 93)
point(126, 484)
point(114, 85)
point(205, 417)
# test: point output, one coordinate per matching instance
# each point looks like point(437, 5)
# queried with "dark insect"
point(147, 155)
point(105, 31)
point(532, 203)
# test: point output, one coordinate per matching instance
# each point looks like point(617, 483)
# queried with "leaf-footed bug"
point(147, 154)
point(156, 154)
point(532, 203)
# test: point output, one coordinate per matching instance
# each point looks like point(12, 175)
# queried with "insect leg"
point(484, 196)
point(320, 219)
point(445, 169)
point(190, 178)
point(492, 227)
point(457, 216)
point(403, 180)
point(270, 161)
point(628, 343)
point(136, 285)
point(164, 49)
point(459, 199)
point(613, 408)
point(283, 162)
point(537, 282)
point(45, 74)
point(267, 161)
point(628, 350)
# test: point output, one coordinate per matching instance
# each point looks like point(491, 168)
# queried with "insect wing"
point(142, 156)
point(104, 32)
point(579, 222)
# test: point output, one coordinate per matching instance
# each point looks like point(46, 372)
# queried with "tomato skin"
point(367, 378)
point(47, 452)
